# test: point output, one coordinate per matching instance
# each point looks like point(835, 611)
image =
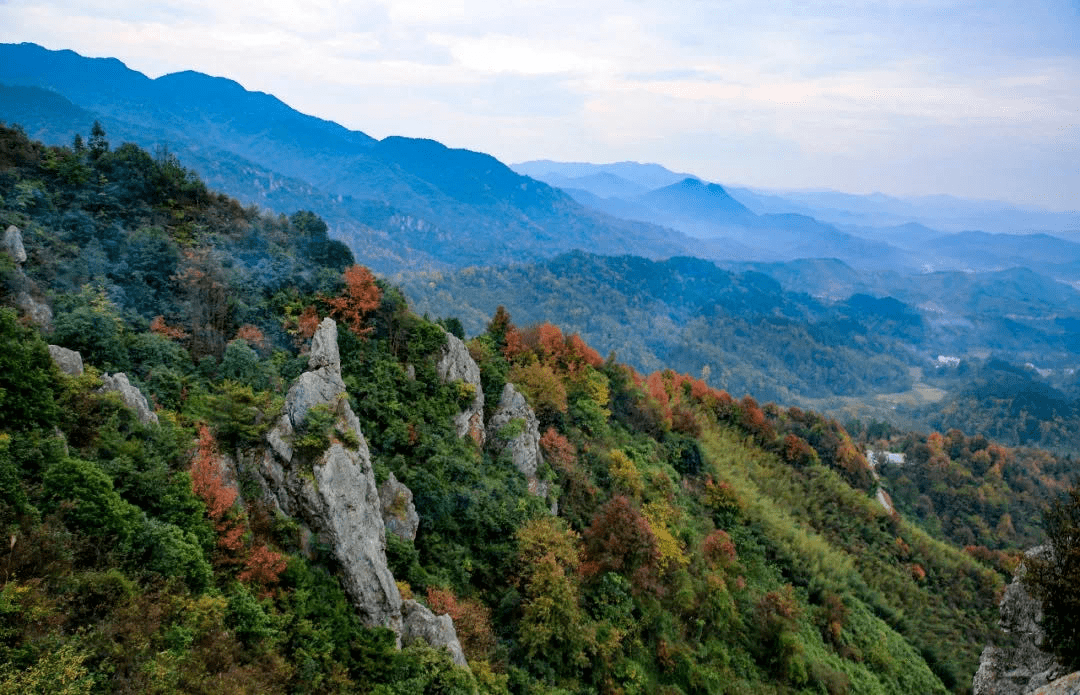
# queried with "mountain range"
point(398, 202)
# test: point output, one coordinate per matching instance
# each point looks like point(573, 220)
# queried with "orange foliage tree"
point(359, 297)
point(252, 336)
point(209, 484)
point(621, 540)
point(472, 621)
point(261, 565)
point(159, 326)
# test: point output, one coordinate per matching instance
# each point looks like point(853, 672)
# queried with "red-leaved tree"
point(472, 621)
point(621, 540)
point(359, 297)
point(209, 484)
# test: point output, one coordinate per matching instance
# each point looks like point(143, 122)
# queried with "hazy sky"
point(977, 98)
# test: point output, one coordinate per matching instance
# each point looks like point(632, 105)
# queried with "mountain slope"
point(701, 545)
point(437, 205)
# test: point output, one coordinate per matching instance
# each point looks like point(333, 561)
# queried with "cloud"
point(834, 93)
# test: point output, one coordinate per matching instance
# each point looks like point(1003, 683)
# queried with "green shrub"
point(95, 506)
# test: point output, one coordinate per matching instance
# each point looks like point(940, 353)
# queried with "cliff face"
point(1026, 667)
point(514, 428)
point(456, 364)
point(334, 491)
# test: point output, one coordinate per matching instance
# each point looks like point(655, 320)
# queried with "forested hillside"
point(685, 313)
point(668, 539)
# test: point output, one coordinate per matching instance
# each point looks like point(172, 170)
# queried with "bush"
point(96, 507)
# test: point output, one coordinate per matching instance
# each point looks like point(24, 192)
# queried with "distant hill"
point(647, 176)
point(422, 202)
point(708, 211)
point(685, 313)
point(947, 213)
point(695, 203)
point(984, 251)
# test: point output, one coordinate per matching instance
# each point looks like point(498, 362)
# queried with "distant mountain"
point(947, 213)
point(823, 278)
point(983, 251)
point(603, 184)
point(424, 203)
point(707, 211)
point(647, 176)
point(696, 204)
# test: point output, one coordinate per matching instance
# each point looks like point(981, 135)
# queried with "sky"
point(973, 98)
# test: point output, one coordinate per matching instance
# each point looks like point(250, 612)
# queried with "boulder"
point(514, 428)
point(69, 361)
point(13, 244)
point(456, 364)
point(132, 397)
point(1025, 667)
point(1066, 685)
point(38, 311)
point(333, 492)
point(398, 511)
point(420, 624)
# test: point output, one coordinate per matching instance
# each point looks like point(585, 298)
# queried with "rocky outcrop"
point(38, 311)
point(1026, 667)
point(456, 364)
point(69, 361)
point(514, 428)
point(132, 397)
point(12, 244)
point(420, 624)
point(398, 511)
point(1066, 685)
point(333, 492)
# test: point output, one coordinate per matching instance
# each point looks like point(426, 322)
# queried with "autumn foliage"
point(358, 298)
point(252, 336)
point(621, 540)
point(159, 326)
point(472, 621)
point(261, 565)
point(207, 479)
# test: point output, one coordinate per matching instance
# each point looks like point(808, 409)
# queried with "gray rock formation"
point(420, 624)
point(1026, 667)
point(13, 244)
point(398, 512)
point(69, 361)
point(456, 364)
point(513, 427)
point(38, 311)
point(132, 397)
point(1066, 685)
point(334, 493)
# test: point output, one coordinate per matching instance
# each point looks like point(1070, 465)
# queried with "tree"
point(359, 297)
point(99, 145)
point(1053, 577)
